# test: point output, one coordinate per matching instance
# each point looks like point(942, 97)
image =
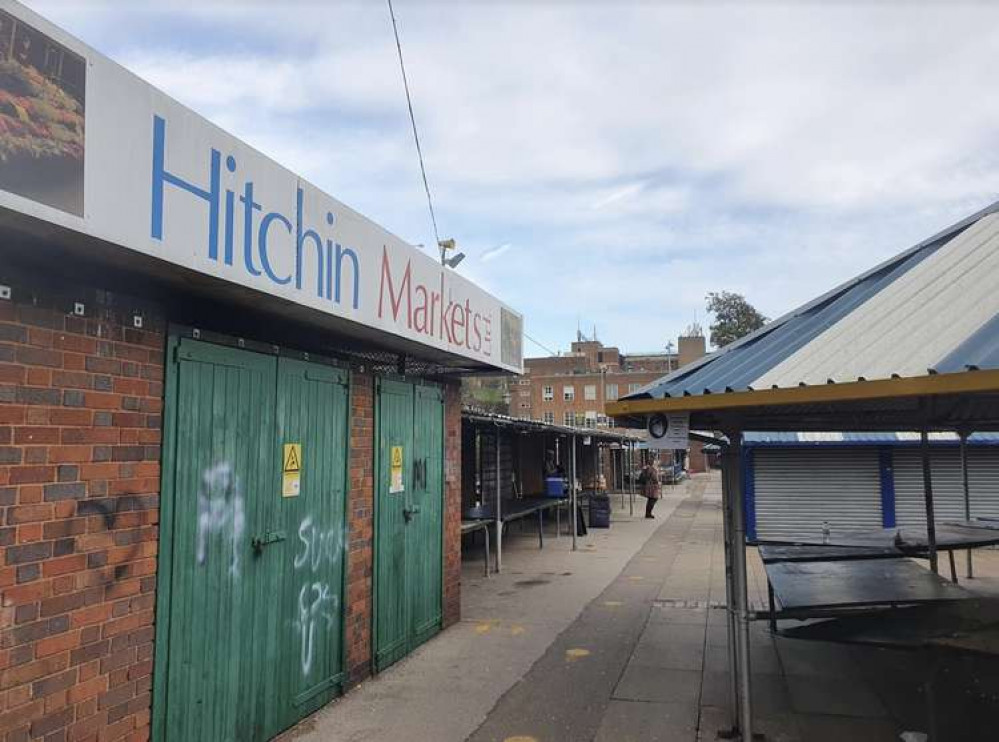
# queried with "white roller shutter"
point(797, 489)
point(948, 490)
point(983, 478)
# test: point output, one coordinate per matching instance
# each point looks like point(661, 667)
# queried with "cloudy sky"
point(604, 163)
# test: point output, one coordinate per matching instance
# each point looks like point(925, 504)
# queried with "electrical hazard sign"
point(291, 470)
point(395, 482)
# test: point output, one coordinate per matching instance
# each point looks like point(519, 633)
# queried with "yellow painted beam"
point(963, 382)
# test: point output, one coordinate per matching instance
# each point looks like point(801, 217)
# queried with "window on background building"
point(548, 393)
point(549, 417)
point(569, 418)
point(611, 392)
point(591, 419)
point(580, 420)
point(525, 405)
point(590, 392)
point(632, 388)
point(568, 393)
point(610, 422)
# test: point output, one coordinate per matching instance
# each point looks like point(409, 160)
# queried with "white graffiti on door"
point(220, 512)
point(317, 546)
point(318, 555)
point(315, 604)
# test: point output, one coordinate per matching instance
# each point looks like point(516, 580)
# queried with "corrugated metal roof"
point(932, 308)
point(911, 324)
point(902, 438)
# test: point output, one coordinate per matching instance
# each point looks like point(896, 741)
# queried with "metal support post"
point(967, 491)
point(740, 587)
point(596, 465)
point(613, 468)
point(572, 484)
point(631, 479)
point(499, 505)
point(931, 523)
point(733, 655)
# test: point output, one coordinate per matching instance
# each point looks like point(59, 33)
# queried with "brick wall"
point(361, 533)
point(452, 504)
point(80, 422)
point(80, 418)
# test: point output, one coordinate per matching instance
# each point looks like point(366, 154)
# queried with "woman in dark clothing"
point(651, 488)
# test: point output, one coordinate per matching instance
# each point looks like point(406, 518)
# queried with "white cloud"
point(494, 252)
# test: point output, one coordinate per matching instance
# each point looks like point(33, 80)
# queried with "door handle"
point(268, 537)
point(408, 513)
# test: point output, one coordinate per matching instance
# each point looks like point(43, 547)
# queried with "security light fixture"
point(452, 262)
point(449, 244)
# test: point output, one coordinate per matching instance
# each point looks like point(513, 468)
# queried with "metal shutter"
point(983, 481)
point(797, 489)
point(948, 491)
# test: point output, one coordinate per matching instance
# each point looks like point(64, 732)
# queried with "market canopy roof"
point(524, 425)
point(906, 342)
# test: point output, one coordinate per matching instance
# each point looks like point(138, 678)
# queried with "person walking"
point(651, 488)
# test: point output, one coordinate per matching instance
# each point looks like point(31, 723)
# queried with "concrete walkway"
point(445, 689)
point(626, 640)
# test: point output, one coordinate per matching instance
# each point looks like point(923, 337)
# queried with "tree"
point(734, 317)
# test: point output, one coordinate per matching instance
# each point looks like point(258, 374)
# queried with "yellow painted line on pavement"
point(571, 655)
point(485, 627)
point(613, 603)
point(521, 738)
point(517, 630)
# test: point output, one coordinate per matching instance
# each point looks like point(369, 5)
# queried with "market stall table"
point(471, 526)
point(511, 510)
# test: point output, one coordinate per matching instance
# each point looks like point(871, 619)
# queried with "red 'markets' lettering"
point(396, 299)
point(433, 313)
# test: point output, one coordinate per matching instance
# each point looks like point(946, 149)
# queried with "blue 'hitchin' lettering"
point(162, 177)
point(330, 256)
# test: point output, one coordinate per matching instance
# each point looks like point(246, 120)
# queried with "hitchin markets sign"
point(89, 146)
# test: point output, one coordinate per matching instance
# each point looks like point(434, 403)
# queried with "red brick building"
point(572, 389)
point(224, 498)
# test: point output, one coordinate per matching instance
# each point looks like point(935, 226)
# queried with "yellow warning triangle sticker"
point(292, 457)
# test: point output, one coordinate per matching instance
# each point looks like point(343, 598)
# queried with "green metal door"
point(409, 519)
point(235, 555)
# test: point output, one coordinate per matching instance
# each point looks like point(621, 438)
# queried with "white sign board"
point(669, 432)
point(89, 146)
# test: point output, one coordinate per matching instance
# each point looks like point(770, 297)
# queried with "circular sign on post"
point(669, 431)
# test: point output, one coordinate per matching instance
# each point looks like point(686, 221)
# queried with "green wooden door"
point(394, 431)
point(424, 537)
point(235, 555)
point(312, 413)
point(409, 524)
